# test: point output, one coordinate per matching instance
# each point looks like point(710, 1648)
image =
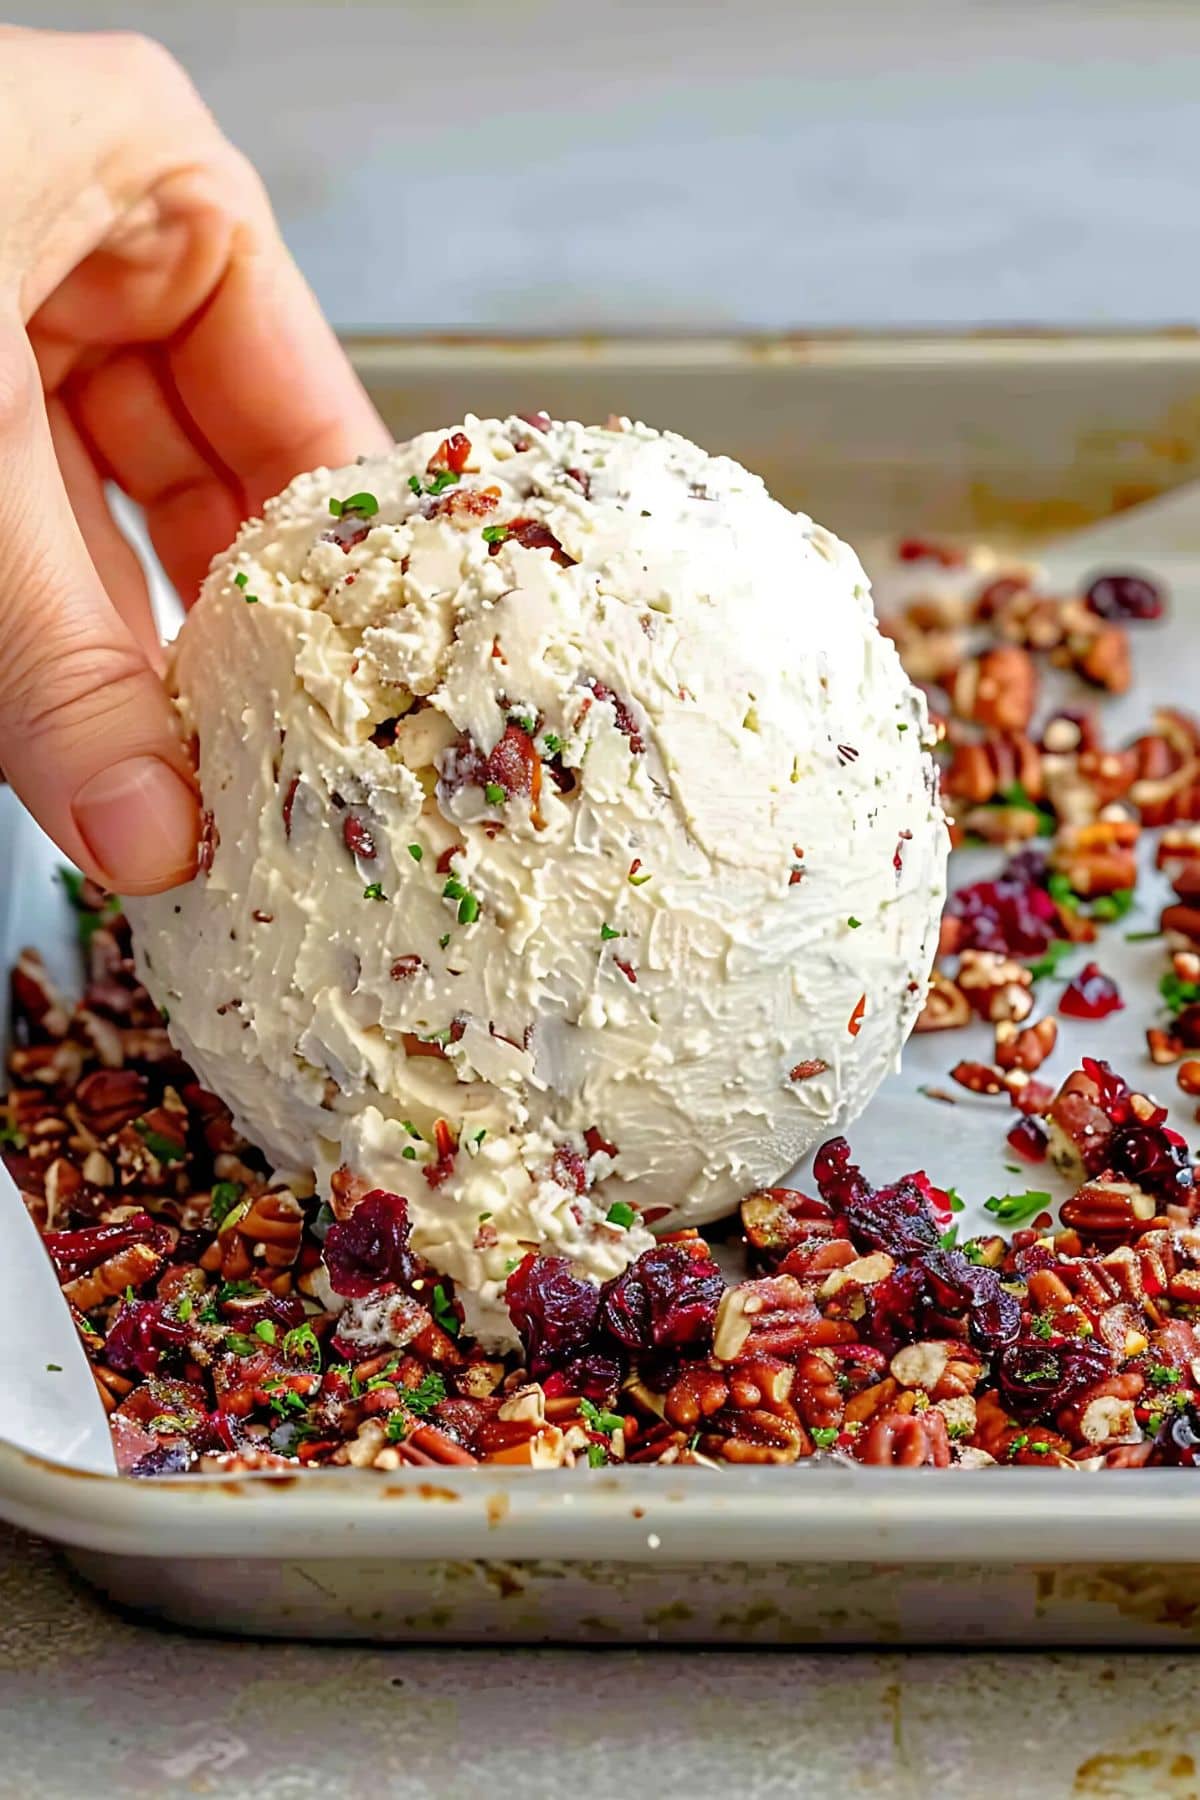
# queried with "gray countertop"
point(94, 1704)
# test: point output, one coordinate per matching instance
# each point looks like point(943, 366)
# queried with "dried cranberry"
point(1090, 995)
point(1112, 1090)
point(892, 1307)
point(947, 556)
point(556, 1314)
point(1037, 1377)
point(140, 1336)
point(993, 1315)
point(898, 1219)
point(1154, 1159)
point(76, 1252)
point(1012, 914)
point(666, 1300)
point(370, 1248)
point(1124, 597)
point(1030, 1139)
point(358, 838)
point(596, 1376)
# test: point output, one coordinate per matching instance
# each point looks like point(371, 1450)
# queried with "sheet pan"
point(1017, 438)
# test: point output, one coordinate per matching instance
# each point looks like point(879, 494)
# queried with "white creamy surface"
point(707, 678)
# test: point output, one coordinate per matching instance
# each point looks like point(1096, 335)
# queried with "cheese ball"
point(572, 858)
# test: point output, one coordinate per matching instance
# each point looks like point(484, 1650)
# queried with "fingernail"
point(139, 820)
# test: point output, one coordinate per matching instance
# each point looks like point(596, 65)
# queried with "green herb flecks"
point(225, 1196)
point(622, 1214)
point(162, 1148)
point(1056, 952)
point(365, 505)
point(1018, 1209)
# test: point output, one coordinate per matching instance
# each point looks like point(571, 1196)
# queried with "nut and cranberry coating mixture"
point(233, 1323)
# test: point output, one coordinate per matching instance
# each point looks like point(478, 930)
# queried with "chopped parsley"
point(54, 1368)
point(430, 1392)
point(494, 794)
point(303, 1345)
point(468, 909)
point(1142, 937)
point(1042, 1325)
point(949, 1239)
point(854, 923)
point(240, 1344)
point(495, 534)
point(1018, 1209)
point(242, 580)
point(1162, 1375)
point(365, 505)
point(1178, 993)
point(551, 743)
point(1056, 952)
point(597, 1456)
point(441, 481)
point(955, 1199)
point(599, 1420)
point(184, 1310)
point(225, 1196)
point(621, 1213)
point(1114, 905)
point(89, 919)
point(266, 1331)
point(823, 1436)
point(374, 891)
point(607, 933)
point(443, 1311)
point(444, 940)
point(10, 1136)
point(163, 1149)
point(416, 852)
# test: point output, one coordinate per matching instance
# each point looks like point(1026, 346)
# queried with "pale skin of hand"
point(154, 333)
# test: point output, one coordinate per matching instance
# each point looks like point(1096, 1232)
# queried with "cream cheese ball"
point(572, 859)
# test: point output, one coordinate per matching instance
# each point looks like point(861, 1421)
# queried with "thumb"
point(87, 734)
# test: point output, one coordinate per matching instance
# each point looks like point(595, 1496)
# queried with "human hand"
point(153, 332)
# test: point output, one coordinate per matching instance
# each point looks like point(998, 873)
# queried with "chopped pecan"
point(945, 1007)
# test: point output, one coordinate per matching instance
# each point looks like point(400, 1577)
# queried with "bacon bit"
point(597, 1145)
point(405, 967)
point(569, 1169)
point(289, 800)
point(925, 550)
point(626, 970)
point(446, 858)
point(582, 479)
point(446, 1145)
point(210, 837)
point(384, 734)
point(626, 723)
point(514, 765)
point(348, 530)
point(804, 1071)
point(497, 652)
point(462, 506)
point(262, 918)
point(847, 753)
point(532, 534)
point(856, 1017)
point(357, 838)
point(452, 453)
point(541, 421)
point(898, 858)
point(798, 872)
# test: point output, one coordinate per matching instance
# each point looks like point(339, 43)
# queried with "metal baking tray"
point(1015, 438)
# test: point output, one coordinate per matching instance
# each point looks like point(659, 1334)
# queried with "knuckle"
point(73, 693)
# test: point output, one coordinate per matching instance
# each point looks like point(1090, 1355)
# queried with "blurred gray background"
point(550, 164)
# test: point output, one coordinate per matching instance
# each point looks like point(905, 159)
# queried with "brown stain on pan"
point(497, 1508)
point(421, 1490)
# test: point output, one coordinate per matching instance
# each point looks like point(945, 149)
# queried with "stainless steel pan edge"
point(826, 1514)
